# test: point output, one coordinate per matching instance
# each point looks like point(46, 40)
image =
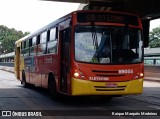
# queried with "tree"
point(8, 38)
point(155, 38)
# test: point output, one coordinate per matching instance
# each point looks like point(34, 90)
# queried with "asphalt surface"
point(14, 97)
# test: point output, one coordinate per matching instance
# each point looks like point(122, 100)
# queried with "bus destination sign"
point(83, 17)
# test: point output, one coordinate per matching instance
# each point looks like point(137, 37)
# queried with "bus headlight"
point(76, 74)
point(79, 74)
point(139, 75)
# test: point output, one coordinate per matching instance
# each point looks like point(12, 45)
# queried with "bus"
point(84, 53)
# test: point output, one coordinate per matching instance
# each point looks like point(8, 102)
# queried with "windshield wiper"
point(94, 36)
point(95, 59)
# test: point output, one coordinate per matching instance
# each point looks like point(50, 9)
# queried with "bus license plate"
point(111, 85)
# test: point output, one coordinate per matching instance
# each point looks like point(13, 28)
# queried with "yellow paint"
point(85, 87)
point(21, 63)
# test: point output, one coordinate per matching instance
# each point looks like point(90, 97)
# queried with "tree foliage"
point(8, 37)
point(155, 38)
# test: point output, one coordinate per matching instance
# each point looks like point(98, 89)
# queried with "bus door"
point(17, 62)
point(65, 60)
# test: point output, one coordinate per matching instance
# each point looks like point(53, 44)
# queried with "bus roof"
point(54, 23)
point(49, 26)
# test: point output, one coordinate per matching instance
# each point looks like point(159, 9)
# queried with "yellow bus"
point(84, 53)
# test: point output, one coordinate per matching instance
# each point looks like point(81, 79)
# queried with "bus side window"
point(33, 47)
point(42, 43)
point(26, 48)
point(52, 43)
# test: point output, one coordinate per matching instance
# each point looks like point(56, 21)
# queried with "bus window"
point(53, 34)
point(42, 45)
point(43, 37)
point(24, 44)
point(112, 47)
point(52, 44)
point(34, 41)
point(27, 43)
point(33, 47)
point(26, 48)
point(22, 48)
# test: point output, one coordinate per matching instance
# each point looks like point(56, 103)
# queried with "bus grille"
point(107, 73)
point(104, 88)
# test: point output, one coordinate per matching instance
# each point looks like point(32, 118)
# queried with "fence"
point(7, 64)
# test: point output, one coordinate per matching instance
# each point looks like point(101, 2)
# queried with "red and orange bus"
point(84, 53)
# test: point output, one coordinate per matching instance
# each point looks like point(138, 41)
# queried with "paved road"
point(14, 97)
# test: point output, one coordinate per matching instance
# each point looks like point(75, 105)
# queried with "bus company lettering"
point(98, 78)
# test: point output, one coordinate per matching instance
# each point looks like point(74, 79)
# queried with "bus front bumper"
point(86, 87)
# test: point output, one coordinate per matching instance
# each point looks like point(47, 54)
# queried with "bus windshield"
point(115, 45)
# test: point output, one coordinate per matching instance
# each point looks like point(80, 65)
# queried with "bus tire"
point(52, 88)
point(23, 82)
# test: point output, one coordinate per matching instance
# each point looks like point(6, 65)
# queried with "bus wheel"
point(52, 88)
point(23, 82)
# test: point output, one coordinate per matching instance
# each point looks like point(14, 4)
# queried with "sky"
point(30, 15)
point(154, 24)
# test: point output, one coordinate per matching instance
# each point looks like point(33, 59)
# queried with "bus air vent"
point(104, 88)
point(107, 73)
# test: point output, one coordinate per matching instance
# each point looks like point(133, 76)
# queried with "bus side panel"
point(50, 66)
point(37, 75)
point(21, 66)
point(15, 66)
point(27, 76)
point(44, 72)
point(37, 79)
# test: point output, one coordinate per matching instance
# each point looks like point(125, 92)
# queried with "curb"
point(155, 79)
point(11, 70)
